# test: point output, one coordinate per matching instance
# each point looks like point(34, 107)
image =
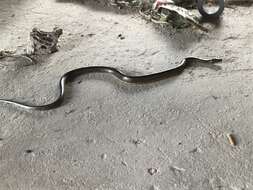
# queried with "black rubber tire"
point(217, 14)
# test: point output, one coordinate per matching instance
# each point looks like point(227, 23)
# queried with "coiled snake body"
point(113, 71)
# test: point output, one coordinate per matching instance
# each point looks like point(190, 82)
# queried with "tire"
point(206, 15)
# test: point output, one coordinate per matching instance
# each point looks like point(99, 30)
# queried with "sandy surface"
point(109, 135)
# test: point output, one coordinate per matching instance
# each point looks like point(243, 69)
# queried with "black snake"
point(113, 71)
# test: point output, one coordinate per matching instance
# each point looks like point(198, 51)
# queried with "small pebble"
point(120, 36)
point(104, 156)
point(194, 150)
point(152, 171)
point(138, 141)
point(29, 151)
point(124, 163)
point(154, 187)
point(91, 34)
point(214, 97)
point(70, 111)
point(91, 141)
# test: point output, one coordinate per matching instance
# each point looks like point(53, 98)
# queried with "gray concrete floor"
point(108, 134)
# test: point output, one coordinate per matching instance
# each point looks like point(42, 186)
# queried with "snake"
point(69, 76)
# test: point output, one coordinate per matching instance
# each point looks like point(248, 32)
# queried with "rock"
point(44, 42)
point(154, 187)
point(152, 171)
point(104, 156)
point(124, 163)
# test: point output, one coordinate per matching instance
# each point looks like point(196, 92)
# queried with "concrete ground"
point(114, 136)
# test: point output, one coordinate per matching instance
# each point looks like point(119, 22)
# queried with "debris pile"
point(41, 43)
point(45, 42)
point(178, 13)
point(125, 3)
point(178, 17)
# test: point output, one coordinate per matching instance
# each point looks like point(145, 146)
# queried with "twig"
point(231, 139)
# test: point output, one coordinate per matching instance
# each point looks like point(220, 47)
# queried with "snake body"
point(113, 71)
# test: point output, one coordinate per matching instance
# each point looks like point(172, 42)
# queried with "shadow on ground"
point(181, 37)
point(99, 5)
